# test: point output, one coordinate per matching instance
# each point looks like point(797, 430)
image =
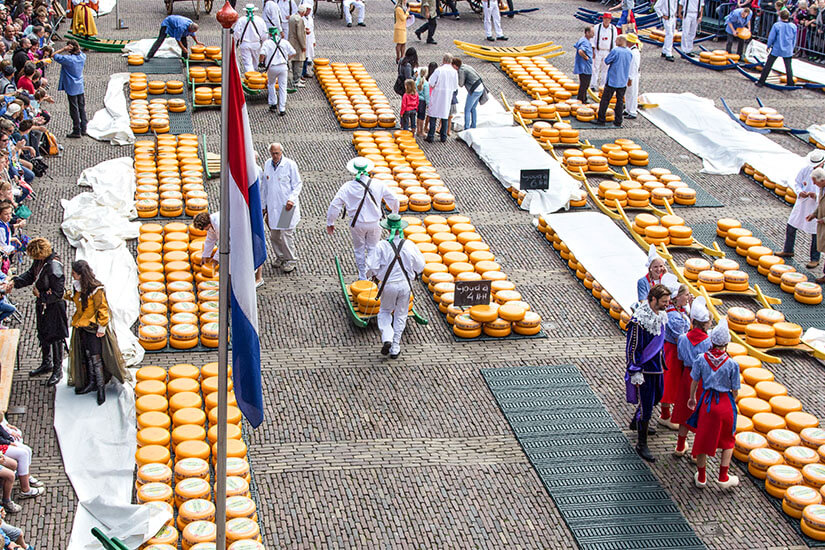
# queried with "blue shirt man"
point(618, 62)
point(71, 73)
point(583, 65)
point(177, 26)
point(782, 39)
point(736, 19)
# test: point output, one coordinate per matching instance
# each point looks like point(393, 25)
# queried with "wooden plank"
point(9, 339)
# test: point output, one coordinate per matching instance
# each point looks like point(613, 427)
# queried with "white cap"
point(13, 109)
point(699, 310)
point(720, 335)
point(671, 282)
point(816, 156)
point(250, 7)
point(652, 255)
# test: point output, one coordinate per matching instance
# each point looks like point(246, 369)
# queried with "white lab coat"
point(667, 8)
point(281, 184)
point(802, 208)
point(210, 244)
point(603, 41)
point(632, 94)
point(287, 7)
point(443, 83)
point(309, 22)
point(272, 14)
point(395, 296)
point(691, 9)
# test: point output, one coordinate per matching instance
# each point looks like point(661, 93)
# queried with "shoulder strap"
point(367, 193)
point(396, 258)
point(272, 57)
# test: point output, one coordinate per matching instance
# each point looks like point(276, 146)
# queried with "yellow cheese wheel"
point(783, 476)
point(760, 459)
point(178, 385)
point(188, 432)
point(233, 415)
point(185, 400)
point(798, 421)
point(747, 441)
point(755, 375)
point(151, 402)
point(814, 474)
point(236, 486)
point(782, 439)
point(240, 507)
point(211, 400)
point(242, 529)
point(153, 419)
point(199, 531)
point(750, 406)
point(812, 437)
point(799, 456)
point(190, 488)
point(152, 454)
point(797, 497)
point(150, 492)
point(196, 509)
point(484, 313)
point(769, 389)
point(245, 544)
point(189, 416)
point(783, 404)
point(150, 387)
point(764, 422)
point(153, 436)
point(191, 467)
point(166, 535)
point(233, 431)
point(154, 473)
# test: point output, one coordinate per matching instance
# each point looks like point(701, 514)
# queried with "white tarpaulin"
point(724, 146)
point(817, 131)
point(106, 7)
point(489, 115)
point(98, 446)
point(613, 258)
point(169, 48)
point(507, 151)
point(111, 123)
point(801, 69)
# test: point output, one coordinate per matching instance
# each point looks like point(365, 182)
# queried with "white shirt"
point(443, 83)
point(281, 184)
point(603, 39)
point(692, 7)
point(666, 8)
point(282, 52)
point(287, 7)
point(349, 196)
point(382, 255)
point(212, 236)
point(272, 14)
point(635, 65)
point(802, 208)
point(255, 30)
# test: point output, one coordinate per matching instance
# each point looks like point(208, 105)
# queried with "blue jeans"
point(6, 309)
point(790, 239)
point(470, 109)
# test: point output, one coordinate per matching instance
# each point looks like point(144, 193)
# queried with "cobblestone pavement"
point(360, 451)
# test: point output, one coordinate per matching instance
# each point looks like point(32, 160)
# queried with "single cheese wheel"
point(745, 391)
point(199, 532)
point(753, 376)
point(155, 492)
point(196, 509)
point(743, 424)
point(769, 389)
point(179, 385)
point(189, 416)
point(484, 313)
point(153, 419)
point(242, 529)
point(185, 400)
point(783, 404)
point(750, 406)
point(192, 449)
point(233, 415)
point(798, 421)
point(764, 422)
point(191, 467)
point(783, 476)
point(184, 370)
point(151, 402)
point(814, 474)
point(150, 387)
point(781, 439)
point(149, 454)
point(154, 473)
point(812, 437)
point(233, 431)
point(238, 467)
point(191, 488)
point(799, 456)
point(745, 442)
point(240, 507)
point(235, 486)
point(188, 432)
point(760, 459)
point(741, 316)
point(153, 436)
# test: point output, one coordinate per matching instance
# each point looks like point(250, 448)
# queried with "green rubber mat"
point(607, 496)
point(777, 503)
point(795, 312)
point(657, 160)
point(159, 65)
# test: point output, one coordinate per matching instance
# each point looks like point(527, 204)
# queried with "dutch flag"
point(247, 252)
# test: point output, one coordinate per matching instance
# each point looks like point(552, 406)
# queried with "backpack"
point(398, 87)
point(39, 167)
point(48, 144)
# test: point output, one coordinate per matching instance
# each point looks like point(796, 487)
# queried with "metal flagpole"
point(226, 17)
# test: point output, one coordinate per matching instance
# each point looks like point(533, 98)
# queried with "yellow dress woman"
point(399, 36)
point(83, 17)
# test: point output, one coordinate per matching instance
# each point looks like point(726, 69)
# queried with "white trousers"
point(392, 314)
point(631, 97)
point(250, 54)
point(277, 73)
point(359, 7)
point(492, 17)
point(670, 29)
point(283, 244)
point(690, 25)
point(23, 454)
point(365, 238)
point(599, 68)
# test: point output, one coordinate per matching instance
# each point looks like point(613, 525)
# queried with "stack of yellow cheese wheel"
point(659, 36)
point(169, 175)
point(213, 53)
point(135, 59)
point(146, 115)
point(454, 251)
point(787, 193)
point(761, 117)
point(402, 166)
point(355, 96)
point(255, 80)
point(717, 57)
point(669, 229)
point(205, 95)
point(364, 297)
point(179, 403)
point(177, 294)
point(138, 86)
point(197, 52)
point(540, 79)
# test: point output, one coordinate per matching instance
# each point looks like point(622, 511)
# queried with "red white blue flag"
point(247, 251)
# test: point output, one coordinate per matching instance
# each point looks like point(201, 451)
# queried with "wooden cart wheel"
point(475, 5)
point(168, 6)
point(341, 9)
point(207, 6)
point(510, 6)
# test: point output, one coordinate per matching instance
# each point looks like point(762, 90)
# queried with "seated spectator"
point(17, 453)
point(7, 468)
point(5, 18)
point(26, 82)
point(38, 36)
point(8, 38)
point(21, 55)
point(14, 535)
point(7, 87)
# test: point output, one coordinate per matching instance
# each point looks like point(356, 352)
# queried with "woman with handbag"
point(93, 341)
point(406, 69)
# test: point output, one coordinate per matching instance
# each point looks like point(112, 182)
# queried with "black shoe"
point(74, 135)
point(349, 24)
point(395, 355)
point(362, 24)
point(428, 139)
point(385, 349)
point(633, 423)
point(281, 113)
point(629, 116)
point(651, 430)
point(663, 54)
point(83, 133)
point(669, 58)
point(442, 139)
point(759, 84)
point(57, 375)
point(46, 363)
point(600, 123)
point(273, 108)
point(641, 445)
point(490, 39)
point(617, 124)
point(431, 41)
point(502, 37)
point(418, 34)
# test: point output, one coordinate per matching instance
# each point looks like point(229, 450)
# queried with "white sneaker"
point(705, 484)
point(732, 482)
point(301, 84)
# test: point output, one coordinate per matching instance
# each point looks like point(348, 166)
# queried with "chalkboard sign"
point(534, 180)
point(472, 293)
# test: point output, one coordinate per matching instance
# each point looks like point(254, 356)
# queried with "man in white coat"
point(287, 7)
point(359, 6)
point(281, 189)
point(275, 54)
point(395, 262)
point(690, 11)
point(632, 93)
point(807, 198)
point(361, 199)
point(272, 14)
point(309, 23)
point(249, 32)
point(491, 13)
point(443, 83)
point(604, 40)
point(667, 11)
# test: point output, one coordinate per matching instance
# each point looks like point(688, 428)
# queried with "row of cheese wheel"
point(548, 133)
point(171, 417)
point(619, 153)
point(539, 78)
point(364, 296)
point(659, 36)
point(140, 86)
point(541, 109)
point(202, 75)
point(205, 95)
point(179, 297)
point(135, 59)
point(787, 193)
point(645, 188)
point(761, 117)
point(402, 166)
point(169, 177)
point(454, 251)
point(613, 307)
point(255, 80)
point(199, 52)
point(718, 57)
point(669, 229)
point(764, 329)
point(768, 263)
point(355, 96)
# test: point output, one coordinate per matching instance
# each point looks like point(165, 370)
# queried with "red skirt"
point(715, 425)
point(673, 374)
point(681, 412)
